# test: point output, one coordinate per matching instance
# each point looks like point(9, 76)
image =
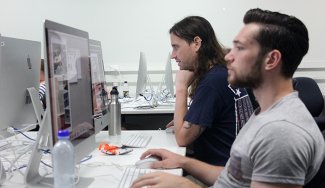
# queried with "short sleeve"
point(281, 153)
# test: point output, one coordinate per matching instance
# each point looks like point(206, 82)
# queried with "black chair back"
point(310, 94)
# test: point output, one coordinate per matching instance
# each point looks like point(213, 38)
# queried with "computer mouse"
point(146, 162)
point(170, 129)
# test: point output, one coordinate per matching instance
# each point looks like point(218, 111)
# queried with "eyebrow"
point(237, 42)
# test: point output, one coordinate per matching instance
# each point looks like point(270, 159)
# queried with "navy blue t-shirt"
point(222, 110)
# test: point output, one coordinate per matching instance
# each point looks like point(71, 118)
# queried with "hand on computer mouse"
point(169, 160)
point(146, 162)
point(170, 129)
point(170, 124)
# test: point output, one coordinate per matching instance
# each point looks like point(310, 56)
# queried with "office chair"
point(318, 180)
point(312, 97)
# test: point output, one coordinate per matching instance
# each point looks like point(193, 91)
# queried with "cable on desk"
point(27, 127)
point(86, 158)
point(19, 131)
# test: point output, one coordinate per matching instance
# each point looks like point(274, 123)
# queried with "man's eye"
point(239, 48)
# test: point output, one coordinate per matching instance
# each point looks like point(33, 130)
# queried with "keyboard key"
point(137, 141)
point(131, 174)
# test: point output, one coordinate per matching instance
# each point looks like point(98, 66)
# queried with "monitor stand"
point(43, 142)
point(33, 178)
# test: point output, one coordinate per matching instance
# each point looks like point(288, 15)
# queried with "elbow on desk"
point(182, 142)
point(185, 137)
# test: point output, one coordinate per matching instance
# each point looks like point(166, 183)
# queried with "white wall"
point(126, 27)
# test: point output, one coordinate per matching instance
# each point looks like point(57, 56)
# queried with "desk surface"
point(168, 109)
point(106, 171)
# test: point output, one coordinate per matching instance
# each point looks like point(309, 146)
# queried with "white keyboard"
point(136, 141)
point(131, 174)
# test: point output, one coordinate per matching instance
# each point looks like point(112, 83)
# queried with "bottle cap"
point(63, 133)
point(126, 82)
point(114, 91)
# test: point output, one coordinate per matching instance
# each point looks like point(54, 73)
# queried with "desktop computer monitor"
point(69, 97)
point(100, 94)
point(70, 85)
point(168, 77)
point(19, 69)
point(165, 91)
point(142, 80)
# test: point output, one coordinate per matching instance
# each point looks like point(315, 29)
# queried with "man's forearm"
point(180, 108)
point(204, 172)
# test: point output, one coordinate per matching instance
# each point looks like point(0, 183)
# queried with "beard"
point(251, 80)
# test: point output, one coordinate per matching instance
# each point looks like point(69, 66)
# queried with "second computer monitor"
point(100, 95)
point(19, 69)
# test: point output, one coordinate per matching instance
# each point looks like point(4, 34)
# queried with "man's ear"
point(273, 59)
point(197, 42)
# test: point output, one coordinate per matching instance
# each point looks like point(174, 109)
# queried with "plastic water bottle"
point(126, 90)
point(115, 113)
point(63, 161)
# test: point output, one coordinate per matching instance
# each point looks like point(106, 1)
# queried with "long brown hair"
point(210, 53)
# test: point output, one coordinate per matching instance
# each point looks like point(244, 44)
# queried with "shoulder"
point(282, 136)
point(215, 77)
point(218, 71)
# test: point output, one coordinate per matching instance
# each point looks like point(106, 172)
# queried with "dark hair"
point(210, 52)
point(282, 32)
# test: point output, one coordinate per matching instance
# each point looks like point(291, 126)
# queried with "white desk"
point(106, 171)
point(146, 118)
point(165, 109)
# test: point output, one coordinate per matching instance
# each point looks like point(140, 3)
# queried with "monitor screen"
point(19, 69)
point(68, 77)
point(100, 94)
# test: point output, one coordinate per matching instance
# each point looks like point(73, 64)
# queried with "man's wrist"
point(184, 161)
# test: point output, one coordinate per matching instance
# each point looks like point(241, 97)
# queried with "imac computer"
point(143, 80)
point(142, 76)
point(165, 92)
point(69, 98)
point(168, 77)
point(20, 62)
point(100, 95)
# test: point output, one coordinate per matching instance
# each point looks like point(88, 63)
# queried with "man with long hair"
point(217, 111)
